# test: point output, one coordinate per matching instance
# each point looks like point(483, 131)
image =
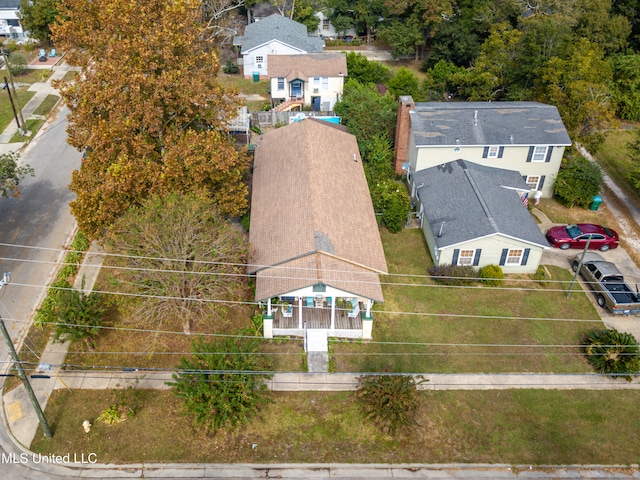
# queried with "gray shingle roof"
point(311, 213)
point(9, 4)
point(472, 202)
point(277, 27)
point(487, 123)
point(309, 65)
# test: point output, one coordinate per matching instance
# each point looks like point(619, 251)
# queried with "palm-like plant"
point(614, 353)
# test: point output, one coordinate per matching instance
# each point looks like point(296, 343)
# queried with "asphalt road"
point(38, 223)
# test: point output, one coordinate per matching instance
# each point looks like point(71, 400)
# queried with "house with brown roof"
point(315, 79)
point(317, 248)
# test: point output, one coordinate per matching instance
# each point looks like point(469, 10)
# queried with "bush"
point(613, 353)
point(578, 182)
point(390, 401)
point(491, 275)
point(17, 64)
point(455, 275)
point(391, 202)
point(542, 276)
point(231, 67)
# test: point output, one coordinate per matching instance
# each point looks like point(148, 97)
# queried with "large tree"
point(179, 254)
point(147, 108)
point(11, 173)
point(36, 17)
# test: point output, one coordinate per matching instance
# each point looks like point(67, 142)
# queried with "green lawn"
point(426, 322)
point(537, 427)
point(6, 112)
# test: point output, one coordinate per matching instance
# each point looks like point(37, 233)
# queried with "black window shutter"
point(549, 151)
point(541, 182)
point(530, 154)
point(525, 257)
point(476, 258)
point(500, 152)
point(485, 153)
point(503, 257)
point(456, 253)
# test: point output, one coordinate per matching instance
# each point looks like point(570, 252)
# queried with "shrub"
point(17, 63)
point(111, 415)
point(542, 276)
point(457, 275)
point(391, 202)
point(231, 67)
point(578, 182)
point(390, 401)
point(491, 275)
point(221, 382)
point(613, 353)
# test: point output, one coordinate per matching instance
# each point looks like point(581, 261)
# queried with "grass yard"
point(613, 157)
point(425, 327)
point(245, 85)
point(535, 427)
point(49, 102)
point(6, 112)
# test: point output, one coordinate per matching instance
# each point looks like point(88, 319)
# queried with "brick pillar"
point(403, 128)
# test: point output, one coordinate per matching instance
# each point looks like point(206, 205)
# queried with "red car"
point(576, 236)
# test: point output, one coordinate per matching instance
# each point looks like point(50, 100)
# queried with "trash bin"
point(256, 77)
point(595, 203)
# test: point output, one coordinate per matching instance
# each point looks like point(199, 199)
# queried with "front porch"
point(293, 319)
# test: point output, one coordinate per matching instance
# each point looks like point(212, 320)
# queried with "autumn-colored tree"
point(146, 109)
point(179, 254)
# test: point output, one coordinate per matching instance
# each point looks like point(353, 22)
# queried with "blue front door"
point(296, 89)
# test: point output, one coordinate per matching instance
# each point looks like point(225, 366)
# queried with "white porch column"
point(269, 307)
point(369, 304)
point(333, 314)
point(300, 312)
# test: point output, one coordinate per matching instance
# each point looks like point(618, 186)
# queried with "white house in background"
point(528, 137)
point(274, 35)
point(315, 79)
point(474, 215)
point(9, 22)
point(327, 30)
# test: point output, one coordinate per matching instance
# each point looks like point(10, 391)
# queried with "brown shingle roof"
point(310, 65)
point(310, 196)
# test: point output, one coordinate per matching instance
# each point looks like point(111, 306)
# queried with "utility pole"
point(23, 131)
point(15, 114)
point(27, 386)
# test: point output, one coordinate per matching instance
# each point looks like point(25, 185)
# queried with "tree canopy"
point(146, 109)
point(37, 16)
point(179, 253)
point(11, 173)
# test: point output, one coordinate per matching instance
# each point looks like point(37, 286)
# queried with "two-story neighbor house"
point(528, 137)
point(327, 30)
point(274, 35)
point(474, 215)
point(315, 79)
point(317, 248)
point(9, 22)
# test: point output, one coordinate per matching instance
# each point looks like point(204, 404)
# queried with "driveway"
point(619, 256)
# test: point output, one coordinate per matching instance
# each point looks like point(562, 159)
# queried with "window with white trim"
point(259, 58)
point(325, 24)
point(280, 83)
point(514, 257)
point(465, 257)
point(539, 154)
point(493, 152)
point(533, 181)
point(325, 83)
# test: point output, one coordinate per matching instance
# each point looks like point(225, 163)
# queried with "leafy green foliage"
point(231, 67)
point(626, 86)
point(403, 36)
point(391, 202)
point(111, 415)
point(491, 275)
point(36, 16)
point(578, 182)
point(634, 153)
point(78, 316)
point(404, 82)
point(18, 64)
point(222, 383)
point(613, 352)
point(364, 71)
point(389, 401)
point(11, 174)
point(457, 275)
point(542, 276)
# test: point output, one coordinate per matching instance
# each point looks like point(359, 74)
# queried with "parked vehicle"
point(608, 285)
point(577, 235)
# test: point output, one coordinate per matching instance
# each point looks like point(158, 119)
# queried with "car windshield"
point(608, 232)
point(574, 231)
